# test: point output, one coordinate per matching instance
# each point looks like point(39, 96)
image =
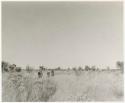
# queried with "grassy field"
point(64, 86)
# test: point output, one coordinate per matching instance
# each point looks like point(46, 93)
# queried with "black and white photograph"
point(62, 51)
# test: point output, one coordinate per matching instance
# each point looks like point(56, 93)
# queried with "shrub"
point(74, 68)
point(5, 66)
point(18, 69)
point(42, 68)
point(12, 67)
point(120, 65)
point(93, 68)
point(87, 68)
point(80, 68)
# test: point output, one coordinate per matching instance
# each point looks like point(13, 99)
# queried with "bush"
point(42, 68)
point(87, 68)
point(120, 65)
point(93, 68)
point(58, 68)
point(80, 68)
point(5, 66)
point(12, 67)
point(74, 68)
point(18, 69)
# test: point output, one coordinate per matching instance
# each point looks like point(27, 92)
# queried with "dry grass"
point(64, 86)
point(20, 88)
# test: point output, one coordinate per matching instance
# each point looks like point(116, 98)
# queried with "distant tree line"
point(6, 67)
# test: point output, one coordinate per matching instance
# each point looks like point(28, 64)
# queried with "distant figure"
point(40, 74)
point(48, 74)
point(52, 73)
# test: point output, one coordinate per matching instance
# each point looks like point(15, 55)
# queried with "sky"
point(65, 34)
